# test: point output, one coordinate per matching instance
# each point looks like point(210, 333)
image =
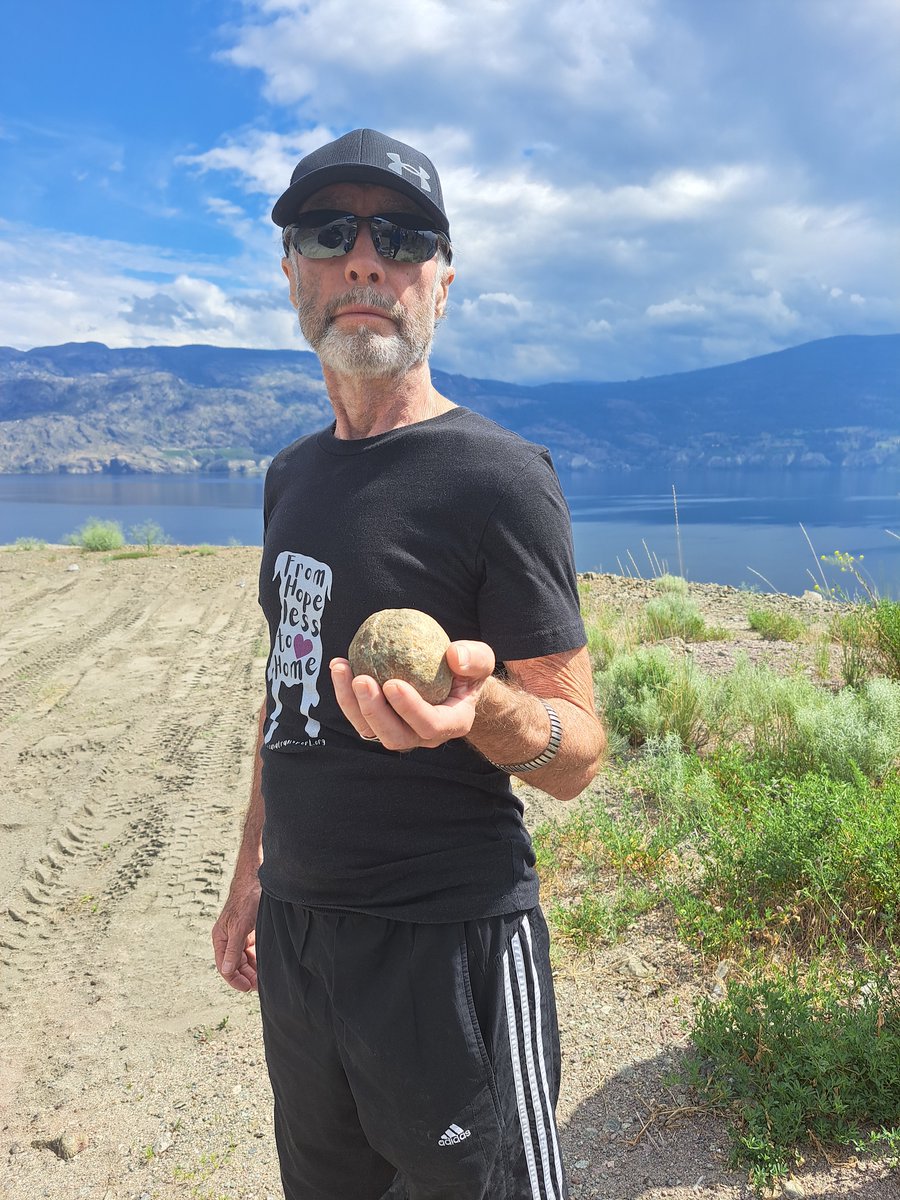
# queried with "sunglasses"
point(404, 237)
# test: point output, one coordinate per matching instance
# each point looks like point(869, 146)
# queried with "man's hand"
point(398, 716)
point(234, 937)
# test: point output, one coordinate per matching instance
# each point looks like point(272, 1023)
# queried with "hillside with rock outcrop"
point(84, 408)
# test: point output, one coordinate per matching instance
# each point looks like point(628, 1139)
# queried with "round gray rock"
point(403, 643)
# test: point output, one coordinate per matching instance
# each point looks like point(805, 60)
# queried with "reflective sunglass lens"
point(325, 240)
point(328, 235)
point(404, 245)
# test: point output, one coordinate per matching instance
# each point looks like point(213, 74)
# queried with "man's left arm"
point(504, 720)
point(512, 725)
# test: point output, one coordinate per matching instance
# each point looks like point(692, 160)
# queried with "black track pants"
point(410, 1062)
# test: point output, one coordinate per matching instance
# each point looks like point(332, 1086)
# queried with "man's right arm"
point(234, 934)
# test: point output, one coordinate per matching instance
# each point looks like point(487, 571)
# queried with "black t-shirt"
point(461, 519)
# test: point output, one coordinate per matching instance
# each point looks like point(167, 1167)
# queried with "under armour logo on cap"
point(398, 167)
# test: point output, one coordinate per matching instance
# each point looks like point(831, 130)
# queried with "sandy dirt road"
point(128, 696)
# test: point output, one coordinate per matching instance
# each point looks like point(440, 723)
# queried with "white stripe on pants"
point(520, 1049)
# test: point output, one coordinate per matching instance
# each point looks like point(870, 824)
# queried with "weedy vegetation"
point(886, 621)
point(775, 626)
point(148, 534)
point(672, 615)
point(759, 813)
point(96, 534)
point(671, 583)
point(867, 626)
point(649, 693)
point(802, 1057)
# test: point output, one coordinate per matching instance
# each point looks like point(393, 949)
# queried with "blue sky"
point(636, 187)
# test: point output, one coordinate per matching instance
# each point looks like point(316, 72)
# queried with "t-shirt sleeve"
point(528, 600)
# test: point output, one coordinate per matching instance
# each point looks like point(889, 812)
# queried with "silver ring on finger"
point(370, 737)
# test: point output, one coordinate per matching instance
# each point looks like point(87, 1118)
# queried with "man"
point(385, 884)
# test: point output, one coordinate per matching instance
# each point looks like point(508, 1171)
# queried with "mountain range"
point(83, 408)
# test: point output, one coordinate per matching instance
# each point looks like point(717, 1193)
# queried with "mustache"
point(368, 297)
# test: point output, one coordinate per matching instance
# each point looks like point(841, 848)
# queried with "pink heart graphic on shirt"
point(302, 646)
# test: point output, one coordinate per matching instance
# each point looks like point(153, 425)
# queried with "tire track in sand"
point(143, 810)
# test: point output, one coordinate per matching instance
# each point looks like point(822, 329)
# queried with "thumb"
point(471, 660)
point(233, 951)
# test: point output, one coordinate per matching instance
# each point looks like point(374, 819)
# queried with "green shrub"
point(671, 583)
point(95, 534)
point(853, 729)
point(148, 534)
point(672, 615)
point(775, 626)
point(601, 644)
point(763, 706)
point(629, 689)
point(590, 841)
point(678, 783)
point(561, 845)
point(788, 1060)
point(593, 866)
point(648, 693)
point(785, 720)
point(886, 620)
point(868, 628)
point(822, 655)
point(789, 721)
point(29, 543)
point(854, 631)
point(797, 861)
point(748, 855)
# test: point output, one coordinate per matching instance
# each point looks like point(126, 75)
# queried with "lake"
point(732, 524)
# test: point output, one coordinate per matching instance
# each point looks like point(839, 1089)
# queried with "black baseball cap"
point(365, 156)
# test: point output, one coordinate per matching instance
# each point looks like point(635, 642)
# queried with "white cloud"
point(138, 296)
point(675, 308)
point(679, 195)
point(633, 188)
point(322, 58)
point(599, 328)
point(617, 187)
point(496, 302)
point(261, 160)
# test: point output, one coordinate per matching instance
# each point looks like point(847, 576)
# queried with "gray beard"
point(363, 352)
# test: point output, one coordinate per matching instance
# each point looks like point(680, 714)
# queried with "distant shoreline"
point(736, 529)
point(639, 585)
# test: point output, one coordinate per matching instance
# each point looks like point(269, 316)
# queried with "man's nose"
point(363, 264)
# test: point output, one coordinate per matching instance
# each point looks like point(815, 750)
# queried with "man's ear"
point(288, 268)
point(440, 301)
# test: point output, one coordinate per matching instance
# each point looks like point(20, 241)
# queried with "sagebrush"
point(96, 534)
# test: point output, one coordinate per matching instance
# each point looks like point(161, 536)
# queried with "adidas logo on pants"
point(453, 1135)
